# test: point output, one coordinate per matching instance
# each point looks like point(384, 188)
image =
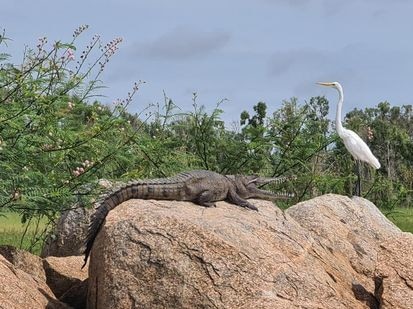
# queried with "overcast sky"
point(244, 51)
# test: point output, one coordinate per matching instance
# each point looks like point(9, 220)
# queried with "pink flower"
point(70, 54)
point(369, 134)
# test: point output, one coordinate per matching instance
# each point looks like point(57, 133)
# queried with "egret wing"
point(359, 149)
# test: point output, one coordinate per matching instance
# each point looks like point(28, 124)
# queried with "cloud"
point(367, 73)
point(335, 7)
point(183, 43)
point(341, 61)
point(282, 62)
point(288, 2)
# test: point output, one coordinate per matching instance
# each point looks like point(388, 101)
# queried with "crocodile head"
point(250, 187)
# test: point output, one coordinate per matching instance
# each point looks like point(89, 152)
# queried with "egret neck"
point(339, 126)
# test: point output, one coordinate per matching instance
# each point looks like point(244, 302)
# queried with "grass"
point(12, 231)
point(403, 218)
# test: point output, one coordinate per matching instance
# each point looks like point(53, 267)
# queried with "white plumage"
point(358, 148)
point(354, 144)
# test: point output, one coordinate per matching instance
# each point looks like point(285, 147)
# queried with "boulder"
point(69, 234)
point(63, 273)
point(19, 290)
point(321, 253)
point(394, 272)
point(24, 260)
point(352, 230)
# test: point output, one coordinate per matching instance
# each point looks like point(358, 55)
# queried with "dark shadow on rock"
point(361, 294)
point(76, 295)
point(59, 282)
point(378, 288)
point(53, 303)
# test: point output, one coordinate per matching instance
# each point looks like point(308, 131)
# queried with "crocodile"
point(200, 187)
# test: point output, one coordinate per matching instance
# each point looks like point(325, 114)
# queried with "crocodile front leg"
point(234, 198)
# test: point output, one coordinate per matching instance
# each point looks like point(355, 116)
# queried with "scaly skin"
point(200, 187)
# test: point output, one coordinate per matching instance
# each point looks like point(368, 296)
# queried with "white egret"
point(354, 144)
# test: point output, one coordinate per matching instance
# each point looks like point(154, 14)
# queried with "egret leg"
point(358, 187)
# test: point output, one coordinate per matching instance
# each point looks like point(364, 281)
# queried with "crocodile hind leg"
point(204, 199)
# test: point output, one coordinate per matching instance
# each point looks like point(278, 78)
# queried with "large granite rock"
point(394, 273)
point(323, 253)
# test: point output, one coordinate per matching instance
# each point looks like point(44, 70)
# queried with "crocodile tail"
point(171, 188)
point(107, 204)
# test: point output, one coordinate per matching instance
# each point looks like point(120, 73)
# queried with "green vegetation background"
point(57, 139)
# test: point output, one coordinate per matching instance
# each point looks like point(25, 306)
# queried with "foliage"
point(53, 145)
point(300, 140)
point(57, 139)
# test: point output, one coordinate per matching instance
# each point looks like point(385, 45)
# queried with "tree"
point(53, 144)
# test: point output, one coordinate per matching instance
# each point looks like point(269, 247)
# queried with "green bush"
point(53, 144)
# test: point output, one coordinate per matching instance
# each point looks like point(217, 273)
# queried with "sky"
point(239, 50)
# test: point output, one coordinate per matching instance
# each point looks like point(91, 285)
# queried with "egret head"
point(331, 84)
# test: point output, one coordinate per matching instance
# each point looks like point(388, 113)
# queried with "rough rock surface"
point(322, 253)
point(63, 273)
point(352, 230)
point(69, 235)
point(24, 260)
point(19, 290)
point(394, 273)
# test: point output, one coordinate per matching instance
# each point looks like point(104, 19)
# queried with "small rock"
point(19, 290)
point(24, 260)
point(69, 235)
point(63, 273)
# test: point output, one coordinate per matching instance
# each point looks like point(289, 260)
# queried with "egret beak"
point(325, 84)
